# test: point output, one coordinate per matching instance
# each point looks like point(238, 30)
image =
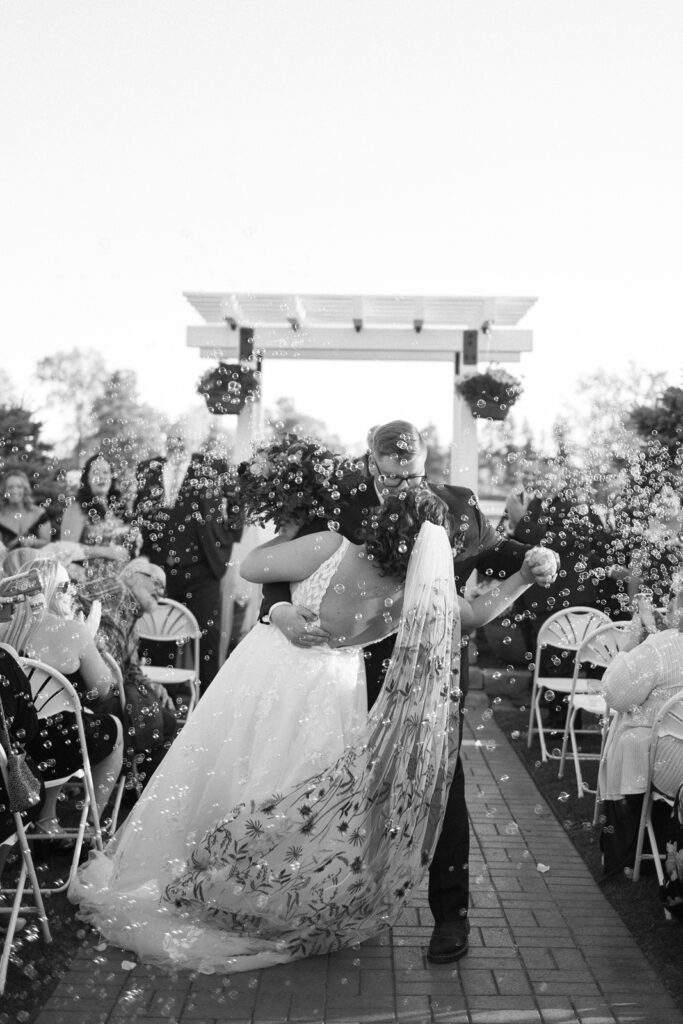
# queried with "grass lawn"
point(636, 903)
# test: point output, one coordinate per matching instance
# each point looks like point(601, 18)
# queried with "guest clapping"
point(150, 719)
point(67, 645)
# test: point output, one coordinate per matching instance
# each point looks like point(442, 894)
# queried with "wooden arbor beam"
point(219, 341)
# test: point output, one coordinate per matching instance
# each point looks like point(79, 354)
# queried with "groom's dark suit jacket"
point(477, 546)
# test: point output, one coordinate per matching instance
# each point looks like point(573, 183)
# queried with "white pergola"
point(460, 331)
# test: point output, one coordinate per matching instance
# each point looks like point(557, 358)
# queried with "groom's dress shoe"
point(449, 942)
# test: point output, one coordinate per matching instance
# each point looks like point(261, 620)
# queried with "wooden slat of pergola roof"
point(432, 311)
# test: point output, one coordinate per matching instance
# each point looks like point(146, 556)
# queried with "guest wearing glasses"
point(67, 645)
point(396, 463)
point(150, 718)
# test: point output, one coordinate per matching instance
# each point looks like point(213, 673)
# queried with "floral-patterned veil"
point(332, 862)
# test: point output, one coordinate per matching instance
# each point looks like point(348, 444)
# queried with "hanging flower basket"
point(489, 395)
point(227, 388)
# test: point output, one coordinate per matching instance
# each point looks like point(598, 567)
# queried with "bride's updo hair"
point(394, 529)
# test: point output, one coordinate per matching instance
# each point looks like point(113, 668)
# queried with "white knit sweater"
point(636, 684)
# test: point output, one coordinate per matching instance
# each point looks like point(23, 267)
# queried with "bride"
point(285, 821)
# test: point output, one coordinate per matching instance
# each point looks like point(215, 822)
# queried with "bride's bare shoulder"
point(289, 560)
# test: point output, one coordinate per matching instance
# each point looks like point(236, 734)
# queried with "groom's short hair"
point(398, 438)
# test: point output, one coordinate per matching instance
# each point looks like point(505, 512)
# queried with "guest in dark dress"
point(98, 519)
point(565, 523)
point(22, 523)
point(22, 724)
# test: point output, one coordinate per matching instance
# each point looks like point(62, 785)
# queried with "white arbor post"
point(464, 444)
point(249, 429)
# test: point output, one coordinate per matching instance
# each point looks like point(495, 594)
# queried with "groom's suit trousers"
point(449, 888)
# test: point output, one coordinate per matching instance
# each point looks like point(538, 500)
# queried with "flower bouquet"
point(490, 394)
point(294, 479)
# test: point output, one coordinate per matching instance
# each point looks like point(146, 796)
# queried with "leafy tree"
point(7, 393)
point(512, 463)
point(21, 448)
point(74, 380)
point(126, 430)
point(663, 419)
point(286, 420)
point(438, 464)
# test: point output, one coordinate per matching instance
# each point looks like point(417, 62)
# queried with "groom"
point(396, 462)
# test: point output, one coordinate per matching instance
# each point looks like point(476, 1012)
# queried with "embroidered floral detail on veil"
point(331, 862)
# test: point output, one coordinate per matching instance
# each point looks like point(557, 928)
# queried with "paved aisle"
point(545, 945)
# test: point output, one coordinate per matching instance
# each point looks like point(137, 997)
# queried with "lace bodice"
point(310, 592)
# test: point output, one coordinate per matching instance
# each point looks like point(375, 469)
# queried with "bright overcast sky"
point(519, 147)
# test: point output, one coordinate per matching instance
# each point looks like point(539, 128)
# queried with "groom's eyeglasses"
point(395, 481)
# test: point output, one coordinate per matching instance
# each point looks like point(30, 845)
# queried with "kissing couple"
point(318, 778)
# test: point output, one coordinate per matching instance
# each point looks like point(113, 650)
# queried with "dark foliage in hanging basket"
point(227, 388)
point(490, 395)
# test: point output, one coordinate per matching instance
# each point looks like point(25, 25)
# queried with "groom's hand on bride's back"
point(298, 625)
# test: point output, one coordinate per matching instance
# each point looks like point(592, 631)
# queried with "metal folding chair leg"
point(18, 906)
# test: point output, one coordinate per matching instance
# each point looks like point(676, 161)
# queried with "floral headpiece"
point(294, 479)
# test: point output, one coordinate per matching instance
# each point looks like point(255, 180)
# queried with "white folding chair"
point(27, 871)
point(565, 630)
point(597, 650)
point(174, 626)
point(129, 776)
point(669, 722)
point(52, 695)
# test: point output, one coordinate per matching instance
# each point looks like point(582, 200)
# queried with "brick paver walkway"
point(545, 946)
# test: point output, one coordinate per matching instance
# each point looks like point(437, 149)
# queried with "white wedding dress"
point(285, 821)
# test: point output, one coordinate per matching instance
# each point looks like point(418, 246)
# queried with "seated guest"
point(150, 720)
point(97, 518)
point(19, 713)
point(66, 644)
point(22, 524)
point(21, 724)
point(636, 684)
point(564, 521)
